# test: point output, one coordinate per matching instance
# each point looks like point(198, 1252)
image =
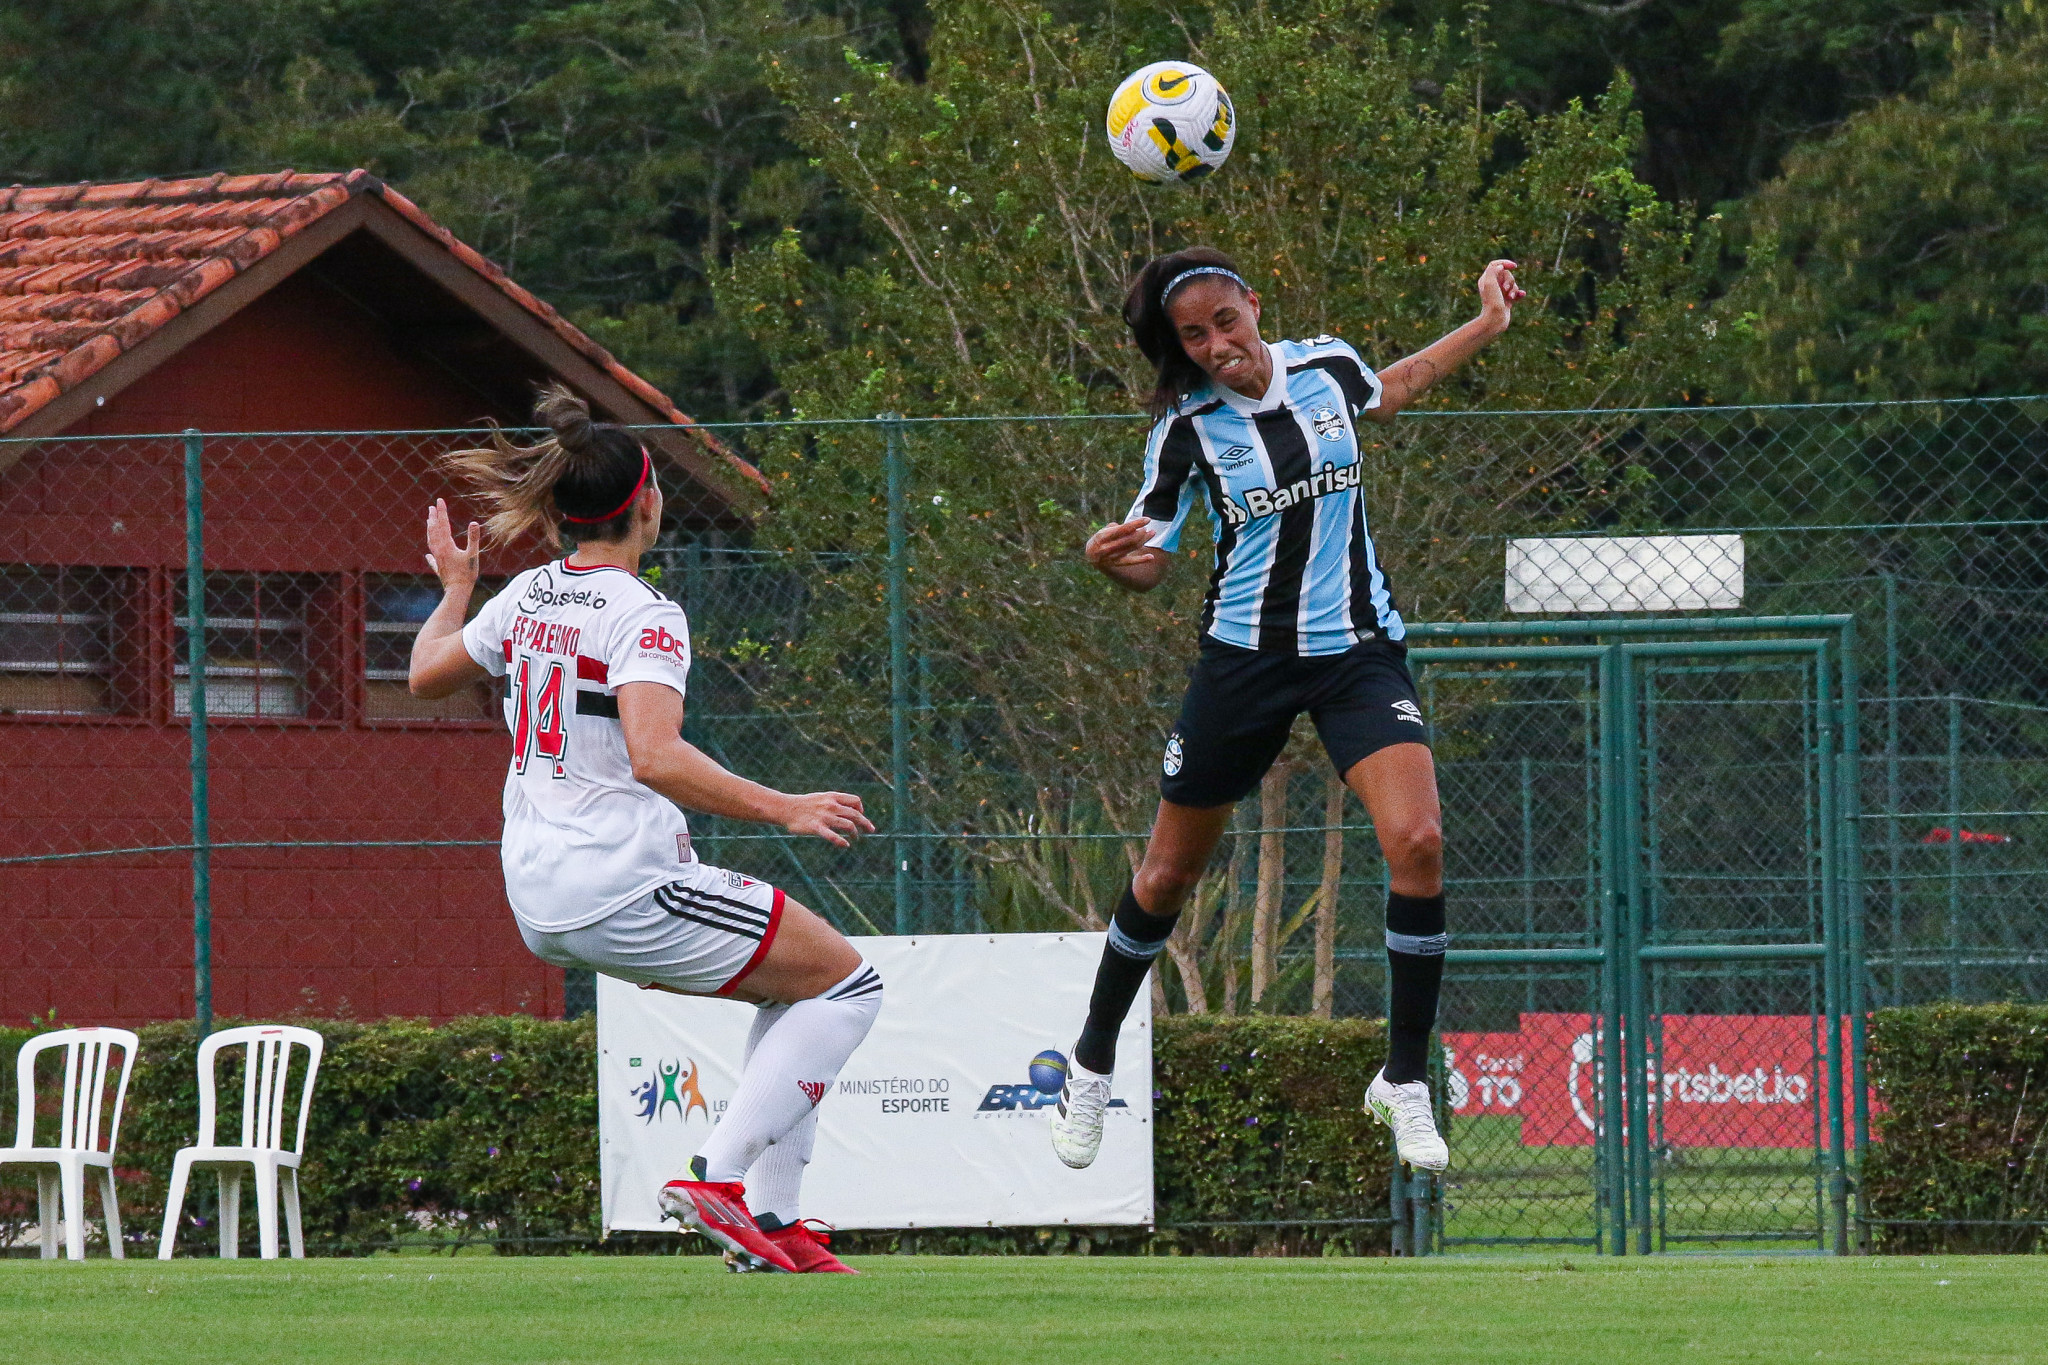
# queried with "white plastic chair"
point(87, 1058)
point(274, 1166)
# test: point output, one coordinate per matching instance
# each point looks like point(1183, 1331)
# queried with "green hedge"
point(1962, 1145)
point(485, 1130)
point(1263, 1119)
point(481, 1129)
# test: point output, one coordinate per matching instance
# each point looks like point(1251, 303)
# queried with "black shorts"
point(1240, 705)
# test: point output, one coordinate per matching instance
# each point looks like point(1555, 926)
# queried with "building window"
point(57, 629)
point(395, 606)
point(257, 645)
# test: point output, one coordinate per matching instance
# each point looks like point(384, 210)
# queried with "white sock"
point(775, 1184)
point(795, 1059)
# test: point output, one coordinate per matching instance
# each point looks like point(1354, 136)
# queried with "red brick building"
point(296, 306)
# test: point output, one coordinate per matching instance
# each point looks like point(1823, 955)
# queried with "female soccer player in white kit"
point(598, 864)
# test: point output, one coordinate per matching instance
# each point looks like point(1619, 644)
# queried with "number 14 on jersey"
point(539, 725)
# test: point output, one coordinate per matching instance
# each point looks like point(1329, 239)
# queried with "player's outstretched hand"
point(455, 565)
point(1121, 552)
point(1498, 293)
point(831, 816)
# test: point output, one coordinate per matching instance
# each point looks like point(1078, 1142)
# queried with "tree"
point(609, 153)
point(1907, 255)
point(1357, 208)
point(1725, 87)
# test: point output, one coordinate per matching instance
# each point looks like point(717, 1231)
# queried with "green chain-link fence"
point(922, 632)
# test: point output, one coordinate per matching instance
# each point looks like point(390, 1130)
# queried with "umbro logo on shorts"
point(1408, 710)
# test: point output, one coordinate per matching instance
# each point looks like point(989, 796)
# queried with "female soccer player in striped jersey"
point(1299, 617)
point(598, 864)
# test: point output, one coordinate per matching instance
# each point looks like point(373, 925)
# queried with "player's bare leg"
point(1183, 839)
point(1398, 786)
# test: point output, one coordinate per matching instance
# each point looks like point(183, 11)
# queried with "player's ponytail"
point(585, 474)
point(1145, 314)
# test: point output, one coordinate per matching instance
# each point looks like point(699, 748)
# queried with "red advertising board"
point(1724, 1080)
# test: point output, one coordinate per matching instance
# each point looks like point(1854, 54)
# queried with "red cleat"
point(805, 1245)
point(718, 1209)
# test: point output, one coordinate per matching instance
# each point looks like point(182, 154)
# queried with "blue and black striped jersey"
point(1295, 568)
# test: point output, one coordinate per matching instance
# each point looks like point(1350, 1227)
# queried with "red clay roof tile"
point(90, 271)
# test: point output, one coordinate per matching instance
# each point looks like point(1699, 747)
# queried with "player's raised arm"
point(1121, 553)
point(441, 665)
point(1405, 380)
point(652, 716)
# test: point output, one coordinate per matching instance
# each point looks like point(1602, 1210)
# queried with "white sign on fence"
point(1624, 573)
point(934, 1122)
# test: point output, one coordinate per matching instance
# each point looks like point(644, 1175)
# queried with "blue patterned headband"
point(1178, 280)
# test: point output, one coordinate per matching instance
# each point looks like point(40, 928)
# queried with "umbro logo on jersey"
point(1264, 502)
point(1237, 457)
point(814, 1090)
point(1408, 710)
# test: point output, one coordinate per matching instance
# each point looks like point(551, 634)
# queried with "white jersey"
point(582, 836)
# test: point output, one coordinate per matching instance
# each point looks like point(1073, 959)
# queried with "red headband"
point(646, 468)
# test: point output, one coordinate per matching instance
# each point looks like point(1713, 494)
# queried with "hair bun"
point(566, 415)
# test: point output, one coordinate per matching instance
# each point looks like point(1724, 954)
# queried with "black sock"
point(1415, 972)
point(1135, 938)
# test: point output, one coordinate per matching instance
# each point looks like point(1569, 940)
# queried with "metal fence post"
point(1635, 1041)
point(1614, 902)
point(899, 671)
point(1835, 965)
point(1856, 944)
point(195, 680)
point(1528, 878)
point(1401, 1243)
point(1891, 784)
point(1955, 847)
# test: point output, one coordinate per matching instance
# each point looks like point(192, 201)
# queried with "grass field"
point(975, 1309)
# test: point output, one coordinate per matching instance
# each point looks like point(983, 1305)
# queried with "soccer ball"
point(1049, 1072)
point(1171, 122)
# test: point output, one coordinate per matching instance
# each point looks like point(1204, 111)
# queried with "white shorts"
point(702, 933)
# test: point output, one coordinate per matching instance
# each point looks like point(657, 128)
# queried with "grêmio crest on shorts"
point(1282, 479)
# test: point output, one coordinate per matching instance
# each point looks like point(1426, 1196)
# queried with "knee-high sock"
point(1135, 938)
point(794, 1063)
point(775, 1184)
point(1415, 972)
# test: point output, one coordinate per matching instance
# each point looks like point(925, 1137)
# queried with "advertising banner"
point(1725, 1080)
point(934, 1122)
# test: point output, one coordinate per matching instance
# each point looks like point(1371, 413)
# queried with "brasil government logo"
point(1048, 1074)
